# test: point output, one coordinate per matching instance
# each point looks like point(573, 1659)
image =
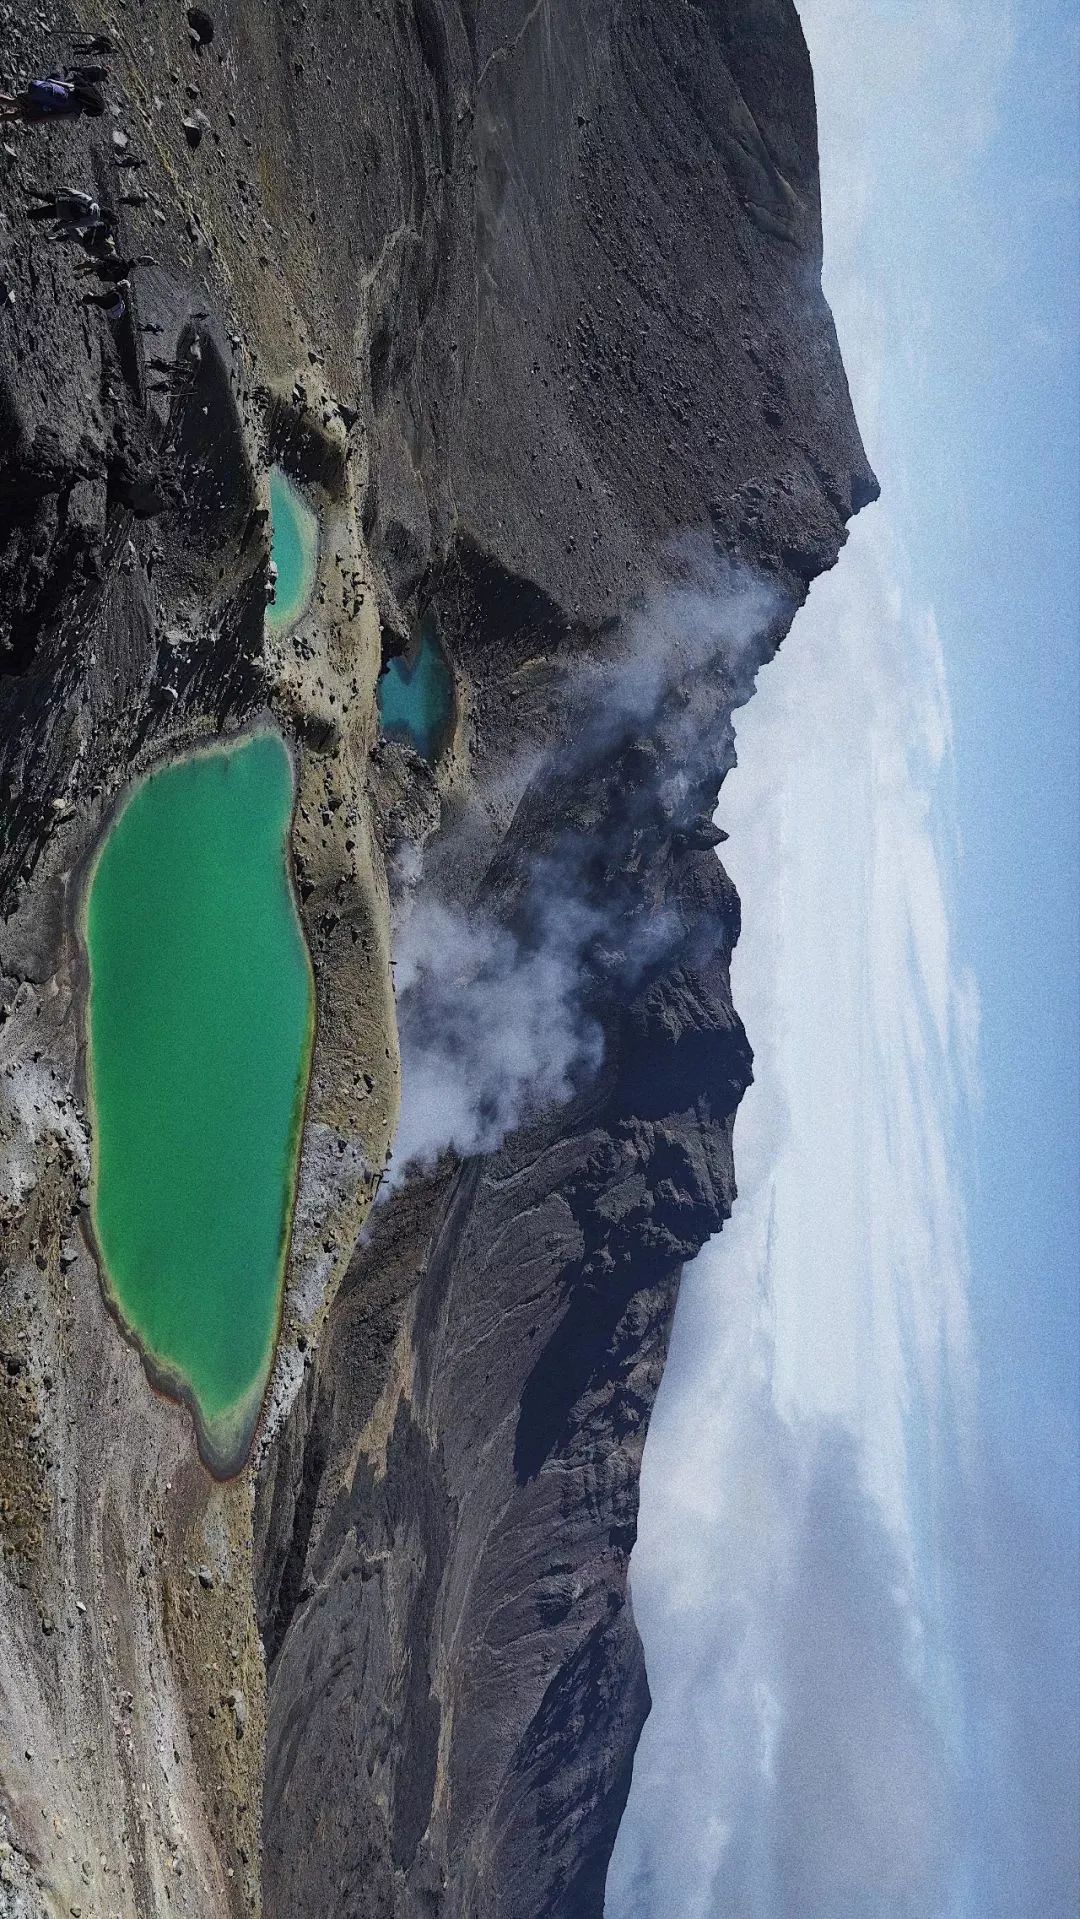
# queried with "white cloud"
point(862, 1649)
point(827, 1330)
point(822, 1350)
point(493, 1017)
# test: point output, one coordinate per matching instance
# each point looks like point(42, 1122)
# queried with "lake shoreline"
point(224, 1440)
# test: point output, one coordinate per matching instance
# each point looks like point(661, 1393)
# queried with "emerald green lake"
point(416, 695)
point(199, 1029)
point(294, 548)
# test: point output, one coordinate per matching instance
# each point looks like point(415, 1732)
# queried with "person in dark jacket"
point(112, 300)
point(89, 96)
point(76, 216)
point(113, 268)
point(97, 236)
point(70, 206)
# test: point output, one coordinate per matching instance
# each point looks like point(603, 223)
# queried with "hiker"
point(114, 268)
point(98, 236)
point(89, 95)
point(52, 97)
point(112, 300)
point(69, 206)
point(78, 216)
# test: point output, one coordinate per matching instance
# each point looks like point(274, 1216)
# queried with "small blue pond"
point(294, 529)
point(416, 695)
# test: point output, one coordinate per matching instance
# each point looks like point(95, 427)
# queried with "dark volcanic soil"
point(524, 295)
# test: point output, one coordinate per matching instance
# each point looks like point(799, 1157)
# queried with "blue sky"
point(1009, 597)
point(984, 434)
point(864, 1453)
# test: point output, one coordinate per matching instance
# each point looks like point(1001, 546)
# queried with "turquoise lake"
point(200, 1026)
point(294, 547)
point(416, 695)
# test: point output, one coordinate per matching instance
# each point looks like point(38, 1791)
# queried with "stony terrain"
point(526, 295)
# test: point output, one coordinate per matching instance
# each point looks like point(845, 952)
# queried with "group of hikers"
point(76, 215)
point(65, 93)
point(73, 214)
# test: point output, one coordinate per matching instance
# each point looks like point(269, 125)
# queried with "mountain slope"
point(528, 299)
